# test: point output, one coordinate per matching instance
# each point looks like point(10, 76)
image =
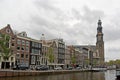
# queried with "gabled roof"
point(7, 30)
point(51, 43)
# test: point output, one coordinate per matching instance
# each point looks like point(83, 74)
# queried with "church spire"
point(100, 42)
point(99, 23)
point(99, 29)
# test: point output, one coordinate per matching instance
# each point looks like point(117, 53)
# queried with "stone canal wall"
point(14, 73)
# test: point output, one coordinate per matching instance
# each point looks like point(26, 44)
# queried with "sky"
point(73, 20)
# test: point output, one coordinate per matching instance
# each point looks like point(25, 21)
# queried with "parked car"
point(14, 68)
point(42, 67)
point(20, 67)
point(69, 68)
point(58, 68)
point(78, 68)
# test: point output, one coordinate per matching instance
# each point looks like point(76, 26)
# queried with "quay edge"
point(15, 73)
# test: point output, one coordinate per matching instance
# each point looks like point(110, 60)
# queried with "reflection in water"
point(109, 75)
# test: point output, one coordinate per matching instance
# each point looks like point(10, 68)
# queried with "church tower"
point(100, 42)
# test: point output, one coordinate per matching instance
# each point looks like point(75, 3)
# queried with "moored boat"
point(98, 69)
point(118, 74)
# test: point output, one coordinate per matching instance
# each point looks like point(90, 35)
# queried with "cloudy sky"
point(73, 20)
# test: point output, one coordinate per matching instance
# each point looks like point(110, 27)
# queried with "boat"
point(98, 69)
point(118, 74)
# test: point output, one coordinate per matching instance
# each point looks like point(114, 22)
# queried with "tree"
point(87, 62)
point(111, 62)
point(50, 55)
point(73, 59)
point(117, 62)
point(4, 48)
point(94, 62)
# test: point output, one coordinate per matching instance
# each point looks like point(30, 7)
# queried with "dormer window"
point(23, 34)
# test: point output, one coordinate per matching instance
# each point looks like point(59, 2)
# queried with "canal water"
point(108, 75)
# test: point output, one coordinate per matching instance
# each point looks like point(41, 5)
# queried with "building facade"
point(12, 43)
point(30, 52)
point(67, 57)
point(22, 50)
point(54, 47)
point(58, 46)
point(35, 53)
point(61, 51)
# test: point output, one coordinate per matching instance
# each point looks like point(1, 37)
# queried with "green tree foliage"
point(113, 62)
point(50, 55)
point(117, 61)
point(73, 60)
point(94, 62)
point(4, 47)
point(87, 61)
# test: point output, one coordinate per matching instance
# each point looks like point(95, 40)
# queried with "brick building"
point(11, 61)
point(23, 49)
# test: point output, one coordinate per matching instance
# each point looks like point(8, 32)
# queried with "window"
point(18, 41)
point(38, 58)
point(18, 48)
point(36, 44)
point(12, 44)
point(11, 58)
point(32, 43)
point(17, 55)
point(32, 51)
point(27, 43)
point(27, 49)
point(26, 55)
point(33, 59)
point(22, 55)
point(13, 38)
point(35, 51)
point(23, 42)
point(23, 48)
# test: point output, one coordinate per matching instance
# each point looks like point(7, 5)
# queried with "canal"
point(108, 75)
